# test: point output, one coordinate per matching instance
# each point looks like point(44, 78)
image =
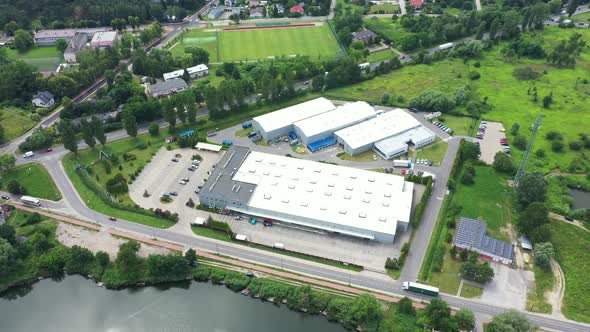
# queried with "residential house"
point(74, 46)
point(256, 12)
point(297, 9)
point(471, 236)
point(280, 9)
point(103, 39)
point(166, 88)
point(365, 36)
point(196, 71)
point(5, 212)
point(43, 99)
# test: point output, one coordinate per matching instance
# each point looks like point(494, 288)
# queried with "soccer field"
point(45, 58)
point(237, 45)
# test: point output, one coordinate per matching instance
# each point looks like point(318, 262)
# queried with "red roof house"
point(416, 3)
point(297, 9)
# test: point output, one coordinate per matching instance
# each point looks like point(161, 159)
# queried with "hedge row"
point(422, 204)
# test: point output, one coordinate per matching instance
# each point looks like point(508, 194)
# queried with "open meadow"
point(15, 122)
point(35, 179)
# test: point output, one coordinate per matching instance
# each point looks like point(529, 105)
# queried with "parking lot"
point(162, 175)
point(490, 143)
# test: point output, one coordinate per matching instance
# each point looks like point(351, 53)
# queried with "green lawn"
point(392, 31)
point(435, 152)
point(572, 251)
point(381, 56)
point(507, 95)
point(15, 122)
point(584, 17)
point(45, 58)
point(487, 199)
point(536, 301)
point(469, 291)
point(127, 145)
point(224, 46)
point(447, 279)
point(384, 9)
point(461, 125)
point(35, 179)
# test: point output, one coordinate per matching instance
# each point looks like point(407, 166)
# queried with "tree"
point(8, 233)
point(437, 315)
point(98, 130)
point(186, 77)
point(542, 253)
point(514, 129)
point(509, 321)
point(166, 268)
point(79, 260)
point(130, 123)
point(102, 259)
point(61, 45)
point(406, 306)
point(503, 163)
point(465, 319)
point(433, 101)
point(557, 145)
point(533, 221)
point(481, 273)
point(23, 40)
point(190, 255)
point(68, 136)
point(469, 151)
point(10, 28)
point(520, 142)
point(8, 256)
point(154, 129)
point(531, 188)
point(7, 161)
point(87, 133)
point(128, 264)
point(571, 7)
point(169, 112)
point(15, 188)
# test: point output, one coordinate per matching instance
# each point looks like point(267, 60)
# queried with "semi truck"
point(445, 46)
point(30, 200)
point(419, 288)
point(402, 163)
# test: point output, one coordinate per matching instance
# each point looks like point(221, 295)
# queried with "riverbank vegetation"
point(559, 199)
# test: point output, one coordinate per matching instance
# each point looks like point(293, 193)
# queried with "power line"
point(535, 128)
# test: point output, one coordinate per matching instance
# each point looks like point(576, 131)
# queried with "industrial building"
point(388, 134)
point(327, 197)
point(322, 126)
point(471, 236)
point(279, 123)
point(103, 39)
point(196, 71)
point(166, 88)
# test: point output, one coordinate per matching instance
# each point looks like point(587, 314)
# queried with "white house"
point(43, 99)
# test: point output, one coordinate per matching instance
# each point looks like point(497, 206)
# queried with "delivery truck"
point(30, 200)
point(445, 46)
point(420, 288)
point(402, 163)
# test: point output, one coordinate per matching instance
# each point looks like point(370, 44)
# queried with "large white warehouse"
point(388, 134)
point(278, 123)
point(324, 125)
point(332, 198)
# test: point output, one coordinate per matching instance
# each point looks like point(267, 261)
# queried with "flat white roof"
point(383, 126)
point(305, 191)
point(107, 36)
point(341, 117)
point(209, 147)
point(287, 116)
point(191, 70)
point(394, 143)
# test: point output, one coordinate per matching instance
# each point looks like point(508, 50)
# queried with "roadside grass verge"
point(381, 56)
point(366, 156)
point(15, 123)
point(384, 9)
point(435, 152)
point(470, 292)
point(35, 179)
point(461, 125)
point(572, 249)
point(222, 236)
point(536, 301)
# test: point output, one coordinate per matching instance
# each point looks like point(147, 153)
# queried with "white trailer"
point(28, 154)
point(30, 200)
point(363, 66)
point(240, 237)
point(402, 163)
point(278, 245)
point(445, 46)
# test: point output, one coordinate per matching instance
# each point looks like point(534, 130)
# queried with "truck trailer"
point(445, 46)
point(402, 163)
point(419, 288)
point(30, 200)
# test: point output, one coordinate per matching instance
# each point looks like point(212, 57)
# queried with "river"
point(77, 304)
point(581, 199)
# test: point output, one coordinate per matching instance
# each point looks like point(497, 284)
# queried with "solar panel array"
point(472, 233)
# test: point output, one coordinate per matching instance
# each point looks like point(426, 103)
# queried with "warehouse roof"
point(340, 117)
point(190, 70)
point(287, 116)
point(296, 189)
point(102, 37)
point(472, 233)
point(395, 142)
point(383, 126)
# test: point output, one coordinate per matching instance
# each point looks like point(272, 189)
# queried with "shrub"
point(476, 64)
point(438, 257)
point(552, 135)
point(236, 281)
point(557, 146)
point(540, 153)
point(117, 184)
point(520, 142)
point(474, 75)
point(217, 276)
point(141, 146)
point(576, 145)
point(154, 129)
point(15, 188)
point(525, 74)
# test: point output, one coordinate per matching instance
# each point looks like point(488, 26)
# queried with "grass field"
point(381, 56)
point(461, 125)
point(508, 96)
point(384, 9)
point(224, 46)
point(35, 179)
point(470, 292)
point(536, 301)
point(572, 249)
point(435, 152)
point(45, 58)
point(584, 17)
point(15, 122)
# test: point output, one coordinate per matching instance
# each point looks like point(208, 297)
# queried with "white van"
point(28, 154)
point(278, 245)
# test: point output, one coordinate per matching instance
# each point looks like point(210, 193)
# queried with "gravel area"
point(490, 144)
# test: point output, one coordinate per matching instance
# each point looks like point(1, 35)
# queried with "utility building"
point(322, 196)
point(280, 123)
point(322, 126)
point(388, 134)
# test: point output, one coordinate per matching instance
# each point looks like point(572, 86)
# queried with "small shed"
point(208, 147)
point(199, 221)
point(525, 243)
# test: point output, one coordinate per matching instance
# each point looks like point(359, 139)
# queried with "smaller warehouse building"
point(166, 88)
point(322, 126)
point(103, 39)
point(389, 134)
point(196, 71)
point(279, 123)
point(471, 236)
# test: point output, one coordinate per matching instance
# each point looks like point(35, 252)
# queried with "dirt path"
point(561, 218)
point(555, 296)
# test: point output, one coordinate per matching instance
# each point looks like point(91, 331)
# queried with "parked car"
point(403, 172)
point(238, 218)
point(112, 219)
point(414, 110)
point(49, 149)
point(267, 223)
point(197, 191)
point(569, 218)
point(5, 197)
point(173, 193)
point(191, 168)
point(175, 160)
